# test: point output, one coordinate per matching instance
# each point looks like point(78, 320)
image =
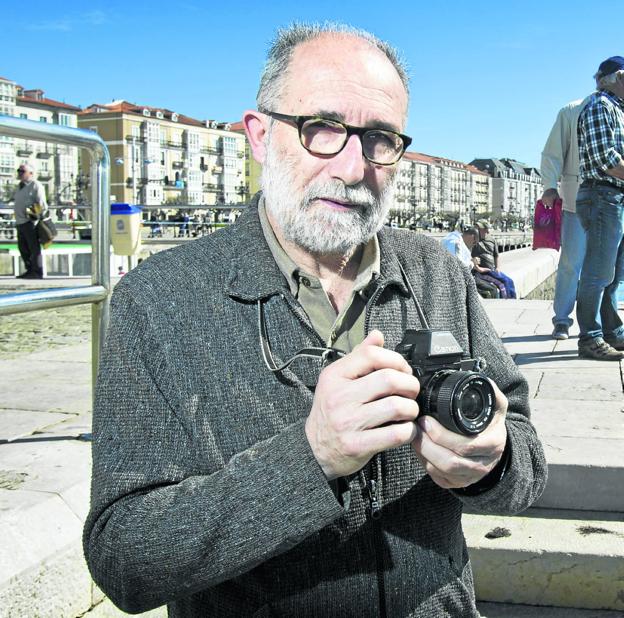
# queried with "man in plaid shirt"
point(600, 208)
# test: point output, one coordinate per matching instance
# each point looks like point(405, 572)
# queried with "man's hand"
point(476, 261)
point(454, 460)
point(364, 404)
point(549, 196)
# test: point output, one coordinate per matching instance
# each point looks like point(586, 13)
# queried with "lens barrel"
point(462, 401)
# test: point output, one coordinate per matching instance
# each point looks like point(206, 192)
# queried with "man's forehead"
point(336, 68)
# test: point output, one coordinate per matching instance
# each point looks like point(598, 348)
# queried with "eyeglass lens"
point(327, 137)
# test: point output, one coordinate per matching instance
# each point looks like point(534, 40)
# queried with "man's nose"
point(349, 164)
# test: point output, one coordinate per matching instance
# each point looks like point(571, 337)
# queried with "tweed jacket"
point(206, 495)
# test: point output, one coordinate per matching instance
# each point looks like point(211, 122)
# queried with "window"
point(24, 116)
point(65, 120)
point(43, 119)
point(94, 129)
point(229, 147)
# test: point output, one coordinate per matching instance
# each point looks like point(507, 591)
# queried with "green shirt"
point(342, 331)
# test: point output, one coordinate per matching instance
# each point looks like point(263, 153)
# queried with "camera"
point(452, 389)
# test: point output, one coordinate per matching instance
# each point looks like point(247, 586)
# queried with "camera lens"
point(471, 403)
point(462, 401)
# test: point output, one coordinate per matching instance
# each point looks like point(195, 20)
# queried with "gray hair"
point(604, 81)
point(272, 81)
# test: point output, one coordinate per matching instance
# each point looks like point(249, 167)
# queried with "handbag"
point(547, 225)
point(46, 231)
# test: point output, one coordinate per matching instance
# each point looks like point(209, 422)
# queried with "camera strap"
point(421, 314)
point(327, 355)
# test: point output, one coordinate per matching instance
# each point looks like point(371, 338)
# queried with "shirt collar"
point(368, 268)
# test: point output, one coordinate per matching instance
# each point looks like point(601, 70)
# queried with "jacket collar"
point(254, 274)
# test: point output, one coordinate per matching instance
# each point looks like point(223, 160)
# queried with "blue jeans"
point(510, 287)
point(573, 242)
point(601, 212)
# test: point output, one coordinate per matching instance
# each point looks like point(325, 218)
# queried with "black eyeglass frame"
point(350, 129)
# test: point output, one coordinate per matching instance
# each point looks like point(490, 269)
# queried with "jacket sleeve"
point(525, 476)
point(555, 151)
point(164, 523)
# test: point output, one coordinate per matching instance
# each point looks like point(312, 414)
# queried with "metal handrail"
point(98, 293)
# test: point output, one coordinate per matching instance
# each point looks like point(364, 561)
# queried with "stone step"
point(571, 563)
point(511, 610)
point(583, 440)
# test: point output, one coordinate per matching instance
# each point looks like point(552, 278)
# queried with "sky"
point(487, 78)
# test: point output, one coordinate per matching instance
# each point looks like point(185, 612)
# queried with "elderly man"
point(560, 163)
point(238, 471)
point(485, 253)
point(600, 207)
point(28, 193)
point(460, 245)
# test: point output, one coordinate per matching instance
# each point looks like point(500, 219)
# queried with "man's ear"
point(256, 128)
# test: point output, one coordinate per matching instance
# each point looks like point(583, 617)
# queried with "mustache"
point(359, 194)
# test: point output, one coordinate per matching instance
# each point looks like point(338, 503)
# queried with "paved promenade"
point(577, 405)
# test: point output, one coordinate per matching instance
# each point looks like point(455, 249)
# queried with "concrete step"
point(510, 610)
point(572, 563)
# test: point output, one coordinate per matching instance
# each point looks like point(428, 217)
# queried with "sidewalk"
point(45, 464)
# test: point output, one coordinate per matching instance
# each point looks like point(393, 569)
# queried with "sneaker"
point(617, 343)
point(30, 276)
point(598, 349)
point(560, 332)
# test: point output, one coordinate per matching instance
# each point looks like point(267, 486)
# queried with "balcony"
point(171, 144)
point(139, 182)
point(240, 155)
point(211, 187)
point(211, 150)
point(217, 169)
point(177, 165)
point(24, 152)
point(44, 176)
point(44, 155)
point(134, 138)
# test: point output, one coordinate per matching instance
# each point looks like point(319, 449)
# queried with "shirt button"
point(305, 281)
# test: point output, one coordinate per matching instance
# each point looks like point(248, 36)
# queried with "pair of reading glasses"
point(322, 136)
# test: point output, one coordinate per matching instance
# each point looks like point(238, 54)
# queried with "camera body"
point(452, 389)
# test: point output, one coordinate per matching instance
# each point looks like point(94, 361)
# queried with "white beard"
point(315, 228)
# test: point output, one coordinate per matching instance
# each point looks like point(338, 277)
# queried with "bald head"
point(309, 39)
point(25, 172)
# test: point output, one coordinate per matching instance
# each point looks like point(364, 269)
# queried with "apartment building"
point(432, 188)
point(56, 166)
point(160, 157)
point(515, 187)
point(253, 169)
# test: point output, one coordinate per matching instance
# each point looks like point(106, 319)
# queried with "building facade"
point(160, 157)
point(55, 166)
point(515, 189)
point(432, 189)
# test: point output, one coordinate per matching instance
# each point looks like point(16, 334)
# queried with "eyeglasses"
point(21, 170)
point(322, 136)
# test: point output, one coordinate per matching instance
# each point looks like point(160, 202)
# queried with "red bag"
point(547, 226)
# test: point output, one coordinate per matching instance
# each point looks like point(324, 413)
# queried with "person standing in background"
point(600, 208)
point(560, 163)
point(28, 193)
